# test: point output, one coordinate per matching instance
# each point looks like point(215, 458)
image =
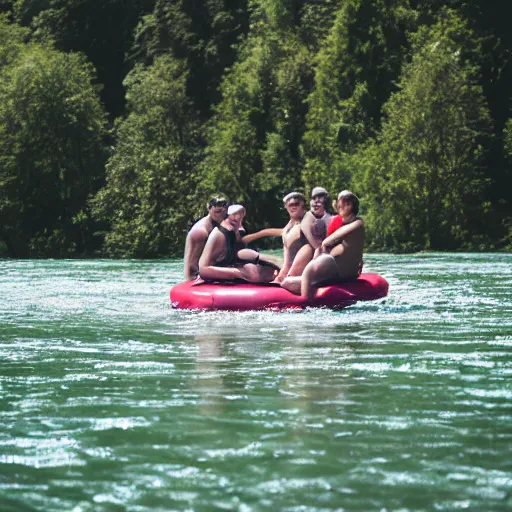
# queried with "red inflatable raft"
point(247, 296)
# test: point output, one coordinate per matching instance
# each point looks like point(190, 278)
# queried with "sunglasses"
point(221, 203)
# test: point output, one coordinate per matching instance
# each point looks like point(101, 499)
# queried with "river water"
point(112, 401)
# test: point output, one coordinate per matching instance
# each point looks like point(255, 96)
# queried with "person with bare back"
point(198, 235)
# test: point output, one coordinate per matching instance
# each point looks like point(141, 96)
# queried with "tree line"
point(119, 118)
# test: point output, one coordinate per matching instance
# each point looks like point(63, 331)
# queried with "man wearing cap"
point(222, 261)
point(198, 234)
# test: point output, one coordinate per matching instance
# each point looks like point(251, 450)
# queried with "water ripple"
point(111, 400)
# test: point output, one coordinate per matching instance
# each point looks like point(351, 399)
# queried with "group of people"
point(319, 247)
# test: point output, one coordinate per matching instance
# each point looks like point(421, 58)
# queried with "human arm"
point(194, 245)
point(341, 233)
point(247, 239)
point(320, 250)
point(287, 263)
point(307, 226)
point(302, 258)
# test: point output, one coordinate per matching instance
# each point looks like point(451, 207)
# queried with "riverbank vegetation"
point(119, 118)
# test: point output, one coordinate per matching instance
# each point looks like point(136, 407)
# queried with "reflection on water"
point(111, 400)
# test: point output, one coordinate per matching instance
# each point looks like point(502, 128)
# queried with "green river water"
point(112, 401)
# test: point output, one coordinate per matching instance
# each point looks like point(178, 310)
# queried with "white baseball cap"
point(319, 191)
point(235, 208)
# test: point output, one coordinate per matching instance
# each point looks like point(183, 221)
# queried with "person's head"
point(217, 207)
point(347, 203)
point(295, 204)
point(236, 214)
point(319, 201)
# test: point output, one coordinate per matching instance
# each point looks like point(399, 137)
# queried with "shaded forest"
point(119, 118)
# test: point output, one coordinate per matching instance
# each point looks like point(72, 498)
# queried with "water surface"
point(112, 401)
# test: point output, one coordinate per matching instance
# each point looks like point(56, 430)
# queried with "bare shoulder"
point(214, 236)
point(197, 233)
point(308, 218)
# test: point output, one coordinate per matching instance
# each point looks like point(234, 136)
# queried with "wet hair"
point(351, 198)
point(294, 195)
point(218, 201)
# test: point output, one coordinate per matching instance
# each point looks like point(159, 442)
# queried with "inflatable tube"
point(247, 296)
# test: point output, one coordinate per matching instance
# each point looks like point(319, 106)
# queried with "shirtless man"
point(314, 228)
point(339, 255)
point(222, 261)
point(198, 234)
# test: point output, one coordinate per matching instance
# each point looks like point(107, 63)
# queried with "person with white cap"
point(222, 261)
point(338, 258)
point(198, 235)
point(314, 228)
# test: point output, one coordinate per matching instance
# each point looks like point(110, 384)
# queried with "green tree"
point(52, 149)
point(151, 177)
point(103, 30)
point(423, 180)
point(506, 241)
point(355, 72)
point(315, 21)
point(253, 138)
point(202, 33)
point(507, 138)
point(13, 40)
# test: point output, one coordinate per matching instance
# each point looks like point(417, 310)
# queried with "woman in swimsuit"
point(313, 228)
point(222, 260)
point(339, 255)
point(293, 238)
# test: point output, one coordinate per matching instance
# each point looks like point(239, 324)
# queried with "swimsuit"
point(298, 242)
point(336, 223)
point(231, 251)
point(231, 258)
point(319, 225)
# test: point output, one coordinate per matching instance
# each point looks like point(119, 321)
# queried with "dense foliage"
point(424, 176)
point(119, 118)
point(152, 170)
point(52, 147)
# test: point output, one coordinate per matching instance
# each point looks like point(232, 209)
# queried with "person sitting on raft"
point(198, 235)
point(338, 257)
point(222, 261)
point(314, 228)
point(293, 237)
point(337, 221)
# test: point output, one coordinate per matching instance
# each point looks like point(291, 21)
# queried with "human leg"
point(248, 255)
point(257, 273)
point(318, 271)
point(302, 258)
point(292, 284)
